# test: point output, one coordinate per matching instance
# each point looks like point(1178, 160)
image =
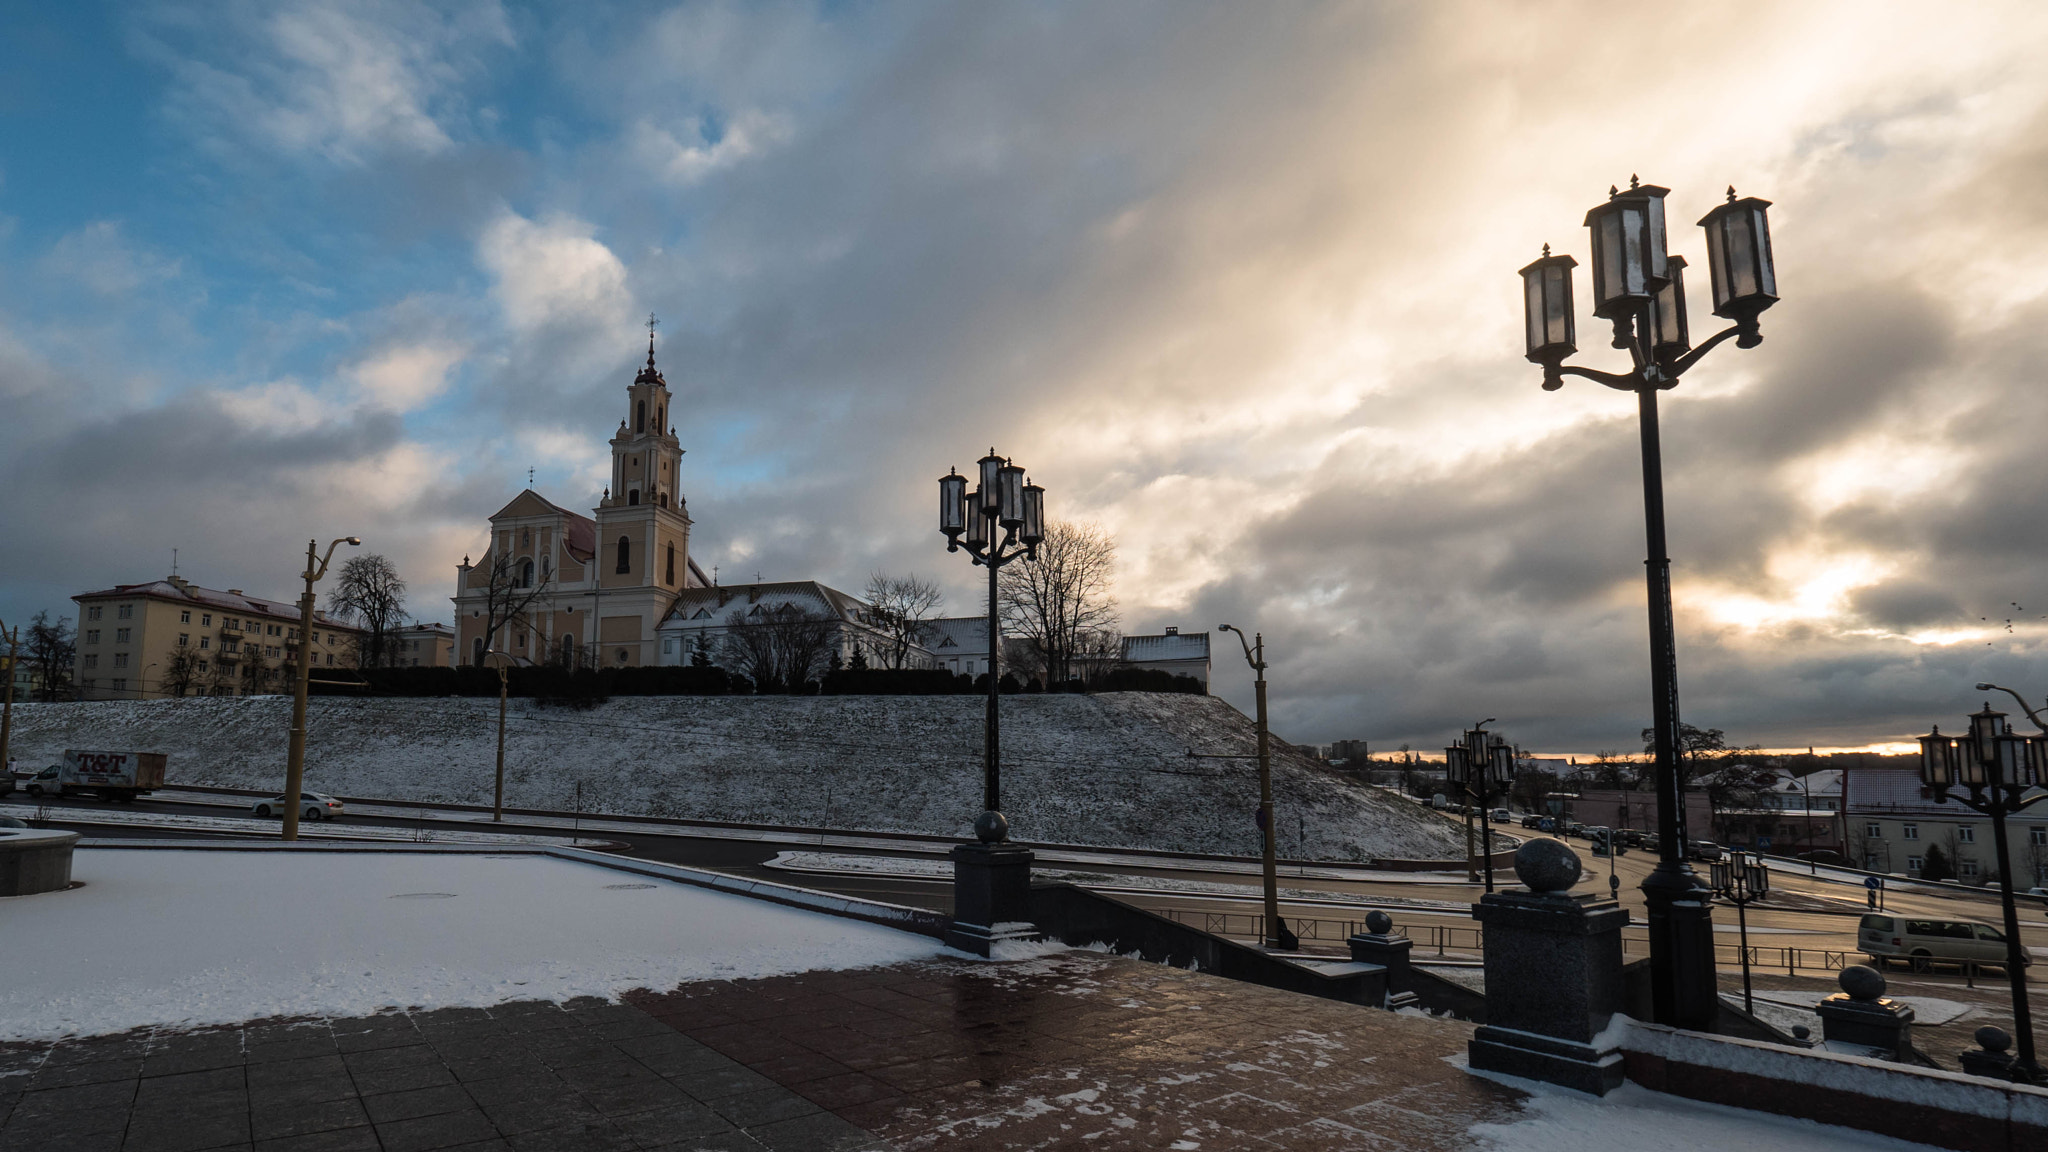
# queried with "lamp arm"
point(2024, 706)
point(1679, 366)
point(1241, 639)
point(1553, 378)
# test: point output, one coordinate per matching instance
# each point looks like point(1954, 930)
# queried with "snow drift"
point(1109, 770)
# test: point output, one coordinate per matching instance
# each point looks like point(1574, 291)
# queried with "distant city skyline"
point(1238, 281)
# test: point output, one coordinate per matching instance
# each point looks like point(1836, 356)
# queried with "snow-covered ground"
point(1104, 770)
point(179, 821)
point(1635, 1118)
point(160, 936)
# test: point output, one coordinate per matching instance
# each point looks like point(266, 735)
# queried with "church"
point(555, 585)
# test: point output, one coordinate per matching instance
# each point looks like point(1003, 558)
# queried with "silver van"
point(1924, 943)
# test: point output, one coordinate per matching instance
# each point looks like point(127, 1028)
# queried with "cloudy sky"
point(1234, 280)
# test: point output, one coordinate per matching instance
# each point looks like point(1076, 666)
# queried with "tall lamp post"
point(1997, 768)
point(502, 661)
point(1640, 288)
point(1742, 878)
point(1482, 767)
point(1002, 520)
point(1277, 934)
point(13, 640)
point(295, 764)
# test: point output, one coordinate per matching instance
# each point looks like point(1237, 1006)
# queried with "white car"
point(319, 806)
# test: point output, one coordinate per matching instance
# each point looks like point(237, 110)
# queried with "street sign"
point(1872, 882)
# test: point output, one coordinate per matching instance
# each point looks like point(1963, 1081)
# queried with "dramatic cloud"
point(1235, 282)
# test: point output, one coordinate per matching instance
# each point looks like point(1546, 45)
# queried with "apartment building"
point(1892, 820)
point(423, 646)
point(171, 637)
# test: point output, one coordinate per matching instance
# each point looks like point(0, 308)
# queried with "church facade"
point(556, 585)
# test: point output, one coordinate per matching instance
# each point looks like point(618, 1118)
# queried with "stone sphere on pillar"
point(1862, 982)
point(991, 828)
point(1378, 923)
point(1547, 866)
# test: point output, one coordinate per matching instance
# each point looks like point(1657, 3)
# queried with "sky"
point(1234, 281)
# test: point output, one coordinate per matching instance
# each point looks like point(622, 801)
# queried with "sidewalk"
point(1084, 1050)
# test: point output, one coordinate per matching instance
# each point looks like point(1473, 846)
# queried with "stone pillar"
point(1990, 1058)
point(991, 896)
point(1553, 976)
point(35, 860)
point(1859, 1019)
point(1380, 945)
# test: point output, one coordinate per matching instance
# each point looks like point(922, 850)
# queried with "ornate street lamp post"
point(1277, 934)
point(1001, 520)
point(1742, 878)
point(1640, 288)
point(1482, 768)
point(1998, 768)
point(295, 759)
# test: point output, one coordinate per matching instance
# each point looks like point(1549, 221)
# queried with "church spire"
point(650, 374)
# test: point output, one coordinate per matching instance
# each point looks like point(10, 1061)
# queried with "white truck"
point(116, 777)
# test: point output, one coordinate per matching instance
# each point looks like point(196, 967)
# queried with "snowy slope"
point(1110, 770)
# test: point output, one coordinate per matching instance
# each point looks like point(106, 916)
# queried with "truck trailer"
point(116, 777)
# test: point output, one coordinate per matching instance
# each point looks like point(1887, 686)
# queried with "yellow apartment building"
point(171, 637)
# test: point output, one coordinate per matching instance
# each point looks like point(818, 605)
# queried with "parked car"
point(1924, 943)
point(318, 806)
point(1532, 821)
point(1501, 816)
point(1630, 837)
point(1705, 850)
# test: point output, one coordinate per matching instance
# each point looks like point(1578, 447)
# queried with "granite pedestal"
point(35, 860)
point(1553, 977)
point(1859, 1019)
point(991, 897)
point(1381, 945)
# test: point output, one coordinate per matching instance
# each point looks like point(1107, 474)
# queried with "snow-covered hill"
point(1109, 770)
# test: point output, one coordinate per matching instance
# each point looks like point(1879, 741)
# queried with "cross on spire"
point(653, 322)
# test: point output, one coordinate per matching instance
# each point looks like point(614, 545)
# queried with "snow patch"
point(1633, 1117)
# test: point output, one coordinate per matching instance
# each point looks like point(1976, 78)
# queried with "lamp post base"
point(991, 897)
point(1685, 992)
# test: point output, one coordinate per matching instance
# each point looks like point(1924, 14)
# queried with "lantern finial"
point(1612, 191)
point(1546, 249)
point(1633, 183)
point(1731, 193)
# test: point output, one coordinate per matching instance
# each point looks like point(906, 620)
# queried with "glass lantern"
point(1937, 760)
point(1739, 259)
point(1033, 530)
point(1549, 327)
point(977, 519)
point(952, 504)
point(991, 487)
point(1668, 336)
point(1010, 504)
point(1629, 257)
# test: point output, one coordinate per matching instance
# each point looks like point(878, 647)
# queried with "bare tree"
point(780, 649)
point(509, 593)
point(901, 606)
point(52, 648)
point(180, 672)
point(1061, 603)
point(370, 591)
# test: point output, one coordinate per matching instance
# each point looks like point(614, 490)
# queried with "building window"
point(525, 537)
point(125, 612)
point(184, 617)
point(92, 613)
point(206, 642)
point(477, 647)
point(206, 620)
point(120, 685)
point(92, 661)
point(1965, 834)
point(671, 564)
point(1909, 832)
point(2038, 836)
point(184, 638)
point(1967, 869)
point(120, 635)
point(544, 567)
point(633, 497)
point(1874, 831)
point(640, 416)
point(120, 659)
point(1914, 863)
point(526, 574)
point(625, 554)
point(202, 666)
point(92, 636)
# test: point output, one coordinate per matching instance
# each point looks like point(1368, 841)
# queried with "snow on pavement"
point(93, 817)
point(168, 937)
point(1633, 1117)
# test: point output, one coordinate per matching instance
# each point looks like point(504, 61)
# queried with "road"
point(1816, 914)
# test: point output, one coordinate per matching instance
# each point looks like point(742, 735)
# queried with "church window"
point(477, 652)
point(625, 554)
point(525, 537)
point(544, 567)
point(640, 416)
point(526, 574)
point(633, 497)
point(664, 499)
point(671, 578)
point(660, 419)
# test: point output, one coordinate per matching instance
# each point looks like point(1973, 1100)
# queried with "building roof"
point(954, 634)
point(1173, 645)
point(717, 604)
point(182, 591)
point(1820, 782)
point(1897, 791)
point(436, 629)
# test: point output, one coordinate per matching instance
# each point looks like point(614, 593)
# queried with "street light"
point(1481, 767)
point(13, 640)
point(1997, 768)
point(1742, 878)
point(1276, 934)
point(1001, 520)
point(1639, 287)
point(295, 764)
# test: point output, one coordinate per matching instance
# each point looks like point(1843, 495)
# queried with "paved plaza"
point(1077, 1049)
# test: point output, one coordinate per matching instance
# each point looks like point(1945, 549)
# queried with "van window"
point(1878, 923)
point(1987, 932)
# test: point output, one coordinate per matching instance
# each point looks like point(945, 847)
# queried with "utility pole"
point(13, 640)
point(1276, 934)
point(501, 661)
